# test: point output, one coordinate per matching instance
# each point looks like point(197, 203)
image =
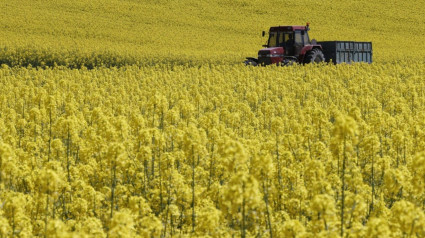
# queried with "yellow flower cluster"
point(216, 151)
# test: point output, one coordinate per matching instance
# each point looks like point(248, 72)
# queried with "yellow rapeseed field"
point(121, 32)
point(128, 118)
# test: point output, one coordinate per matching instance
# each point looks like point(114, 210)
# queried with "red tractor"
point(291, 44)
point(287, 45)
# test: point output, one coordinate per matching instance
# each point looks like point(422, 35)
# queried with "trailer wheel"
point(314, 56)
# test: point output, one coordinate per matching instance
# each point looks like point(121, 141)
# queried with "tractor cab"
point(292, 40)
point(286, 45)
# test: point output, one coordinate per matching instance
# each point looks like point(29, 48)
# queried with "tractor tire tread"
point(314, 56)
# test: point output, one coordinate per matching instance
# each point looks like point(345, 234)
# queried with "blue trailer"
point(347, 51)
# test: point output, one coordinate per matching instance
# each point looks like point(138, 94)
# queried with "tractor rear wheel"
point(314, 56)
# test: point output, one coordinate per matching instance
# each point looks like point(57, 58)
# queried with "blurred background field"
point(123, 32)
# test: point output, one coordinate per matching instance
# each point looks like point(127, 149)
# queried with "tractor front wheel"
point(250, 62)
point(314, 56)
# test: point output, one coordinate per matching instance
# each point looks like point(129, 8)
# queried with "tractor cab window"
point(299, 42)
point(272, 39)
point(281, 38)
point(286, 38)
point(298, 38)
point(305, 36)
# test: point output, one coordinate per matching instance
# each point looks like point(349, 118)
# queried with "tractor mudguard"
point(306, 49)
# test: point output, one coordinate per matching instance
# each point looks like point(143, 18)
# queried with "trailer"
point(347, 51)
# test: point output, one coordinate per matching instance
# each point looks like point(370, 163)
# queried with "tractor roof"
point(287, 28)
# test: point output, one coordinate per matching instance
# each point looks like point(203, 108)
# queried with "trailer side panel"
point(347, 51)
